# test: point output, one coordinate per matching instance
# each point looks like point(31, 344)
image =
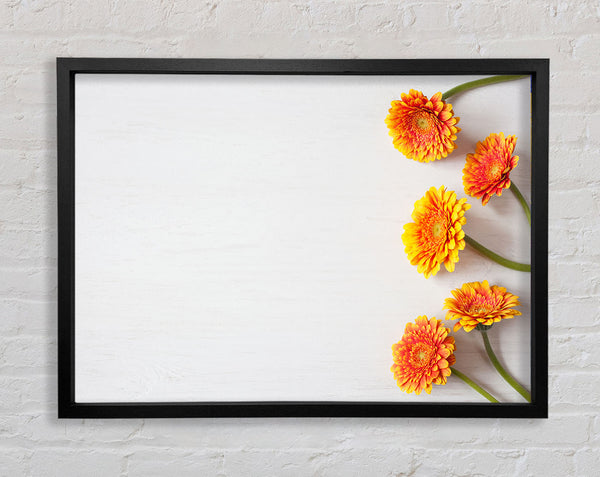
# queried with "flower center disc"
point(437, 229)
point(479, 309)
point(495, 171)
point(422, 122)
point(421, 355)
point(482, 306)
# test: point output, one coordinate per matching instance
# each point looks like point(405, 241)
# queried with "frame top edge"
point(432, 66)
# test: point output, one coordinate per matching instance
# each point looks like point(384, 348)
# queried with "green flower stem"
point(522, 267)
point(507, 377)
point(480, 82)
point(515, 190)
point(474, 385)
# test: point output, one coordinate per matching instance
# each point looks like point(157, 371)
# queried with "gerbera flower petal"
point(423, 356)
point(487, 171)
point(422, 129)
point(436, 235)
point(479, 303)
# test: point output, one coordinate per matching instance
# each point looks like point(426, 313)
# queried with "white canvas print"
point(240, 238)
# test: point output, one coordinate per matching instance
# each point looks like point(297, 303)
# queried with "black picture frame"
point(67, 68)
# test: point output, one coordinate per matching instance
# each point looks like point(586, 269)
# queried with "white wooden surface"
point(238, 238)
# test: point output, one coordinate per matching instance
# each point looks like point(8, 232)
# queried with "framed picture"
point(328, 238)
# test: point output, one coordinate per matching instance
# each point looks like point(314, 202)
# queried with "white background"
point(238, 238)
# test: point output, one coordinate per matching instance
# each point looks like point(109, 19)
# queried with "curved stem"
point(474, 385)
point(507, 377)
point(515, 190)
point(481, 82)
point(521, 267)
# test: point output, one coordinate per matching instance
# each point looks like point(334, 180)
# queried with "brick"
point(574, 312)
point(380, 17)
point(105, 432)
point(332, 16)
point(558, 49)
point(7, 83)
point(547, 462)
point(15, 462)
point(441, 431)
point(593, 128)
point(566, 204)
point(89, 14)
point(595, 431)
point(564, 92)
point(27, 172)
point(485, 16)
point(70, 462)
point(591, 242)
point(575, 389)
point(26, 128)
point(24, 51)
point(191, 15)
point(268, 17)
point(120, 47)
point(6, 15)
point(37, 87)
point(15, 168)
point(462, 47)
point(301, 433)
point(23, 395)
point(137, 16)
point(43, 15)
point(522, 434)
point(573, 163)
point(30, 429)
point(552, 17)
point(310, 433)
point(249, 45)
point(36, 423)
point(26, 283)
point(466, 462)
point(572, 279)
point(28, 354)
point(369, 461)
point(562, 351)
point(294, 462)
point(279, 17)
point(587, 461)
point(27, 247)
point(283, 463)
point(165, 461)
point(568, 127)
point(28, 208)
point(432, 17)
point(566, 240)
point(571, 17)
point(31, 317)
point(585, 49)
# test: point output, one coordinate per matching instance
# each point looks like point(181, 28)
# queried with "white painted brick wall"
point(34, 442)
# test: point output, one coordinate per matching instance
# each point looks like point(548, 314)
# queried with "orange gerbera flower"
point(423, 129)
point(478, 303)
point(436, 235)
point(487, 172)
point(423, 356)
